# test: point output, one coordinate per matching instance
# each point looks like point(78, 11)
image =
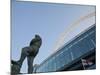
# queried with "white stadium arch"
point(60, 41)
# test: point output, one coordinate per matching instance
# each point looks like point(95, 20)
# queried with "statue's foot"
point(15, 68)
point(16, 63)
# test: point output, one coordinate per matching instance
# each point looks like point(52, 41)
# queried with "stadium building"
point(77, 54)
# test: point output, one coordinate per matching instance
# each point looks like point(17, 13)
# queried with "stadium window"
point(72, 55)
point(93, 42)
point(91, 32)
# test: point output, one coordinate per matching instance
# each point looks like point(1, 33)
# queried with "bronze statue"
point(30, 52)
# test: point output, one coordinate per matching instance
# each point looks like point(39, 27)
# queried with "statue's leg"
point(24, 53)
point(30, 64)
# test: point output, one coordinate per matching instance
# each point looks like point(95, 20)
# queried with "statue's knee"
point(30, 64)
point(24, 50)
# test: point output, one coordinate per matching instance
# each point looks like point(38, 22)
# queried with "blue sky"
point(46, 19)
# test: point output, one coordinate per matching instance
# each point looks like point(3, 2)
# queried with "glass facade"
point(80, 45)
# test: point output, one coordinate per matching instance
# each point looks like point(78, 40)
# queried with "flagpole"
point(82, 64)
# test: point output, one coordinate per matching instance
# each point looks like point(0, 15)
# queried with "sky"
point(48, 20)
